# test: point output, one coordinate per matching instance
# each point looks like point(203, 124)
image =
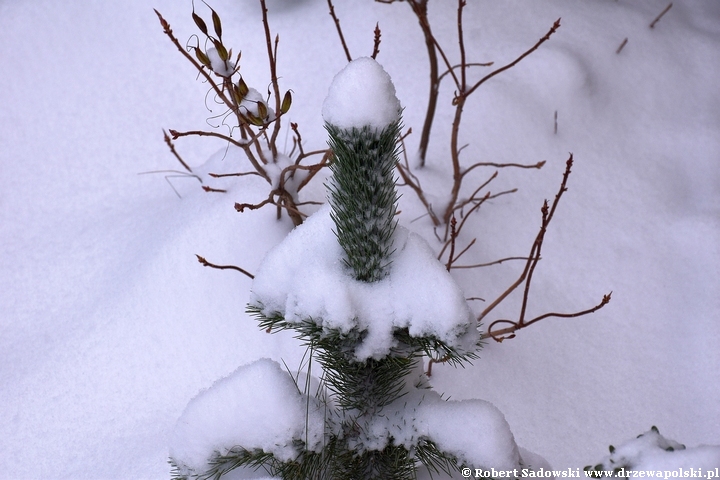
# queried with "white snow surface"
point(257, 407)
point(304, 277)
point(361, 94)
point(109, 326)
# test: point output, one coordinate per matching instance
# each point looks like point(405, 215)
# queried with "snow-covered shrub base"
point(304, 277)
point(259, 407)
point(651, 451)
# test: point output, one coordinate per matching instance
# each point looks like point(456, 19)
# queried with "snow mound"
point(652, 451)
point(304, 277)
point(361, 94)
point(258, 406)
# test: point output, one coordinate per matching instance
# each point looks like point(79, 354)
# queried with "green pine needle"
point(363, 196)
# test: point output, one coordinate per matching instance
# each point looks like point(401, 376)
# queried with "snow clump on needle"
point(258, 406)
point(304, 277)
point(361, 94)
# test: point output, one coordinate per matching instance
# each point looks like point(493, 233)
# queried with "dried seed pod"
point(202, 57)
point(222, 51)
point(243, 88)
point(200, 23)
point(216, 23)
point(237, 95)
point(255, 120)
point(262, 110)
point(286, 103)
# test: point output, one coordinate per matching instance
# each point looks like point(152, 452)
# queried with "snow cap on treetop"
point(361, 94)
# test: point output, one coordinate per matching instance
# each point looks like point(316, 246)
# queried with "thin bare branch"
point(419, 7)
point(487, 77)
point(475, 64)
point(406, 176)
point(376, 41)
point(477, 190)
point(239, 174)
point(413, 182)
point(534, 255)
point(168, 31)
point(537, 165)
point(622, 45)
point(213, 190)
point(314, 169)
point(272, 59)
point(453, 238)
point(339, 30)
point(223, 267)
point(240, 207)
point(202, 133)
point(461, 45)
point(464, 219)
point(500, 335)
point(462, 252)
point(657, 19)
point(174, 152)
point(244, 144)
point(496, 262)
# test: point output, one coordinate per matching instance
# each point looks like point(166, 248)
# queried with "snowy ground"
point(109, 326)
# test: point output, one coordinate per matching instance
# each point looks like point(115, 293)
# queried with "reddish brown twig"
point(411, 180)
point(339, 30)
point(258, 125)
point(499, 335)
point(496, 262)
point(223, 267)
point(657, 19)
point(174, 152)
point(272, 59)
point(622, 45)
point(487, 77)
point(534, 255)
point(537, 165)
point(238, 174)
point(213, 190)
point(376, 41)
point(419, 8)
point(453, 237)
point(527, 275)
point(463, 89)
